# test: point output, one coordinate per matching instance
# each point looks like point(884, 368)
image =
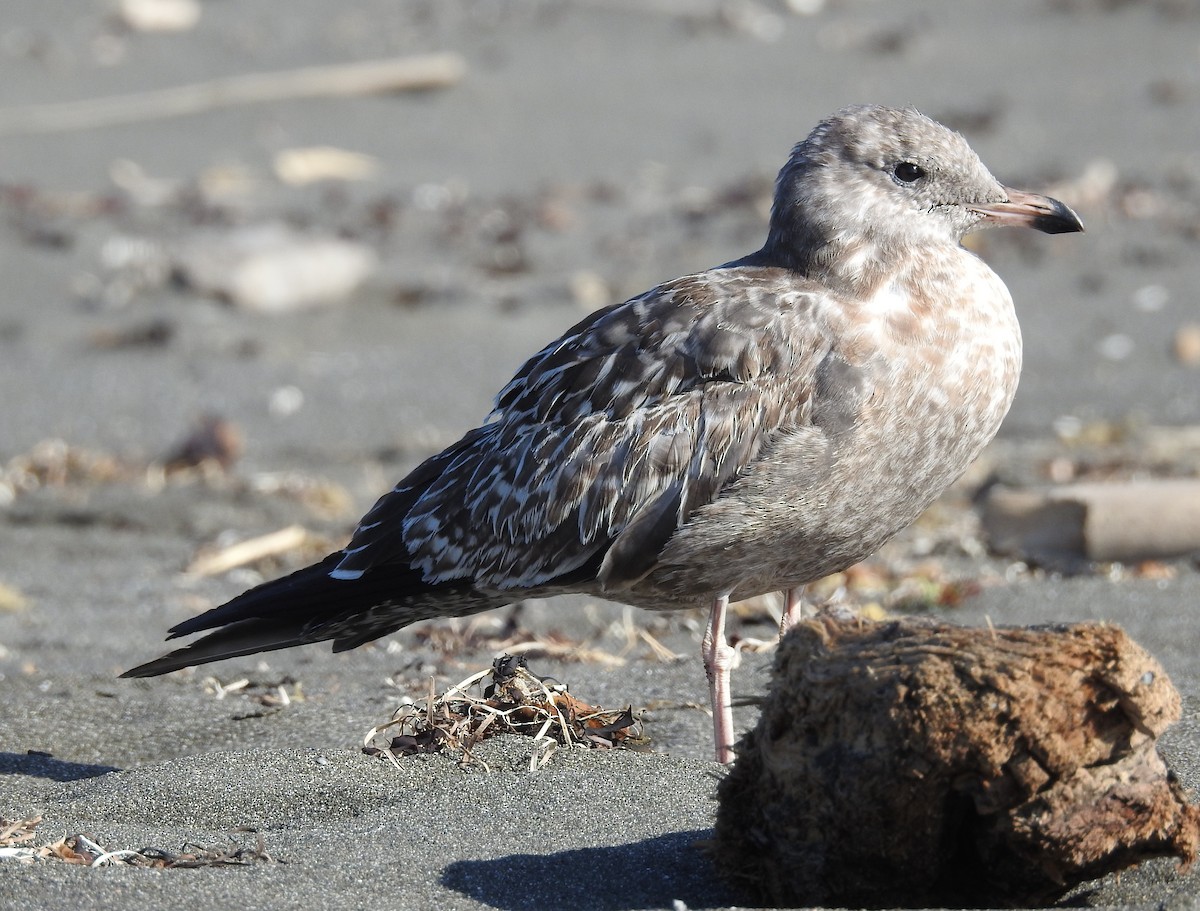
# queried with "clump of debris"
point(17, 843)
point(516, 701)
point(916, 764)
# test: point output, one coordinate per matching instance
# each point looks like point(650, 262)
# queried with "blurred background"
point(240, 294)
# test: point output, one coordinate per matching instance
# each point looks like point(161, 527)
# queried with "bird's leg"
point(718, 661)
point(793, 609)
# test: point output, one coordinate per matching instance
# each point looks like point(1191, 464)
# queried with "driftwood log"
point(1133, 520)
point(421, 72)
point(915, 763)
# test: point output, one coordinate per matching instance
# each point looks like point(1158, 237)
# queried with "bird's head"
point(874, 182)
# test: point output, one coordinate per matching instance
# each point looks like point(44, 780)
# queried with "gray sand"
point(650, 131)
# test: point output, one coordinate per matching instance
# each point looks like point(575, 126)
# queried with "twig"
point(18, 831)
point(368, 77)
point(249, 551)
point(545, 649)
point(661, 652)
point(108, 858)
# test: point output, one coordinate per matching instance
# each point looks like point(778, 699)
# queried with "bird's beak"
point(1029, 210)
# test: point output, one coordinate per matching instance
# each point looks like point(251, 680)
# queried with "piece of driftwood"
point(1131, 520)
point(251, 550)
point(367, 77)
point(912, 763)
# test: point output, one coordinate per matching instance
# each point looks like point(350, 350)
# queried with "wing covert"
point(633, 418)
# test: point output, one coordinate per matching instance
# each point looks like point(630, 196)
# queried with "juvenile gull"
point(738, 431)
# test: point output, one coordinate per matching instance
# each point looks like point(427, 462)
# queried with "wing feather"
point(632, 420)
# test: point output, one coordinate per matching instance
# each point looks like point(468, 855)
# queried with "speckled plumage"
point(741, 430)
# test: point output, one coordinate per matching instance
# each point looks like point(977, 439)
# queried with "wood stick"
point(249, 551)
point(399, 74)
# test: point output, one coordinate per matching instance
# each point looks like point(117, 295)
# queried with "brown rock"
point(915, 763)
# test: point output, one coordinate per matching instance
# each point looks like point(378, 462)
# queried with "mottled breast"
point(917, 381)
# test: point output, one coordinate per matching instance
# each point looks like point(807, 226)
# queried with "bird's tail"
point(311, 606)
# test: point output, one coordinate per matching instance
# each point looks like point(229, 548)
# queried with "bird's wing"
point(630, 421)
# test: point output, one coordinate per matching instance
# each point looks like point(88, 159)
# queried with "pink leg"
point(793, 609)
point(718, 661)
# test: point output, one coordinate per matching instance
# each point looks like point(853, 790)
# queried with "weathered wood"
point(1133, 520)
point(249, 551)
point(911, 762)
point(401, 74)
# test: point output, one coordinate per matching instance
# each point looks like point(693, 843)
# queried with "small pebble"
point(589, 290)
point(1186, 344)
point(159, 15)
point(1151, 298)
point(1115, 347)
point(272, 268)
point(286, 401)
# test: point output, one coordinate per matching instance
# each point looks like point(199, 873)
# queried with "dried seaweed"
point(516, 701)
point(271, 695)
point(80, 849)
point(84, 851)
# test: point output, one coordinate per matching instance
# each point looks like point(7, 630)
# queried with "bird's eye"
point(907, 172)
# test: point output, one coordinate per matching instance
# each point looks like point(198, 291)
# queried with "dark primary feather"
point(309, 606)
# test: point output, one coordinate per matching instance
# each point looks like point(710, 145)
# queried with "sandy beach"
point(589, 151)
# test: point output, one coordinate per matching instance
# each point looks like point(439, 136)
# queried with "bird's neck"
point(855, 265)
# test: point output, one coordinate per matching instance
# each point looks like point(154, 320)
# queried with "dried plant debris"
point(12, 601)
point(876, 589)
point(272, 696)
point(82, 850)
point(17, 836)
point(324, 499)
point(205, 456)
point(456, 636)
point(918, 764)
point(1185, 345)
point(417, 72)
point(293, 541)
point(152, 333)
point(516, 701)
point(901, 587)
point(55, 463)
point(211, 439)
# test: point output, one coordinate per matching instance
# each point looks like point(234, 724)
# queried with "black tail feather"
point(243, 637)
point(311, 606)
point(286, 596)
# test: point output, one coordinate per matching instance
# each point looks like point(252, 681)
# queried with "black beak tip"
point(1061, 219)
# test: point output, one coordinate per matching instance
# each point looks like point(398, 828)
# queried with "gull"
point(742, 430)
